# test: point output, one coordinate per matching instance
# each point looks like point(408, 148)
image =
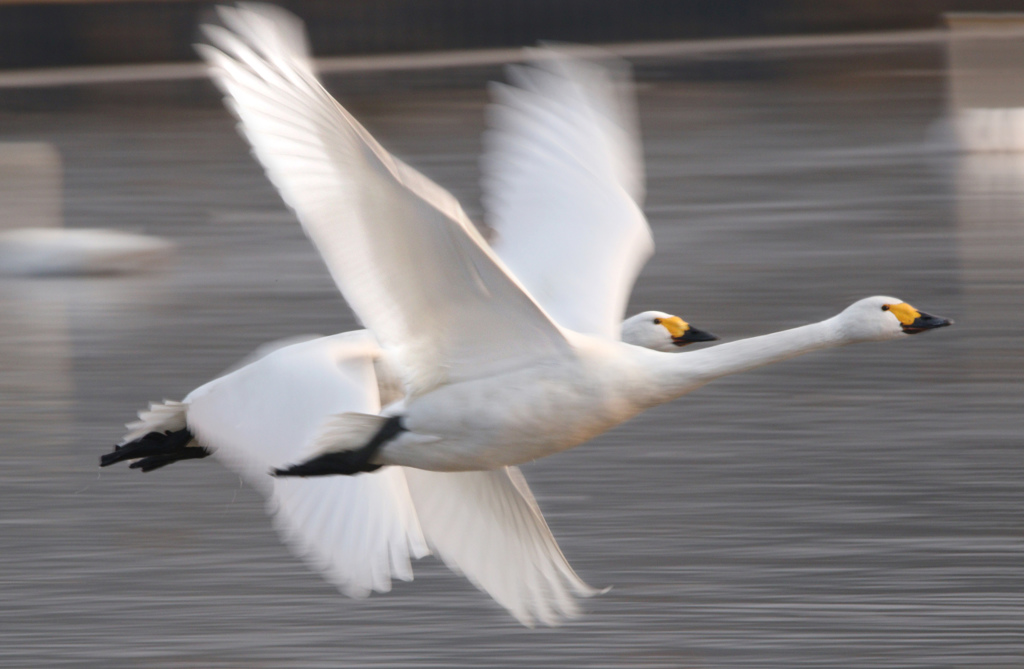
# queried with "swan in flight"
point(491, 376)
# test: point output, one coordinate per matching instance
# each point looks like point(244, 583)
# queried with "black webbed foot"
point(158, 461)
point(155, 450)
point(347, 463)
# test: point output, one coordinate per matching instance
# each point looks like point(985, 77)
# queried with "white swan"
point(491, 379)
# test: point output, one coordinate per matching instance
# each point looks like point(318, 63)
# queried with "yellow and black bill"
point(683, 333)
point(913, 321)
point(692, 336)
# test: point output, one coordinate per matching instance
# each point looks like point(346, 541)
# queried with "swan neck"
point(700, 367)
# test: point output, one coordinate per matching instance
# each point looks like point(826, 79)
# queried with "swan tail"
point(166, 416)
point(157, 439)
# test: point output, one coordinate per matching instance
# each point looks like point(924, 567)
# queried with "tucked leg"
point(347, 463)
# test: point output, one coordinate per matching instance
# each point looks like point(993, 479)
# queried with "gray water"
point(854, 508)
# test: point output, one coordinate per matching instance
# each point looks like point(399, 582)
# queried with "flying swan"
point(491, 376)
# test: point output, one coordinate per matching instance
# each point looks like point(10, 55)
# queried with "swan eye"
point(885, 307)
point(657, 321)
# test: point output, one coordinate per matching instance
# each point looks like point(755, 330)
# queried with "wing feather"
point(359, 532)
point(487, 526)
point(563, 184)
point(401, 250)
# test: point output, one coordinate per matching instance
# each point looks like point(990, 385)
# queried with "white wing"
point(487, 526)
point(400, 248)
point(358, 531)
point(361, 531)
point(563, 182)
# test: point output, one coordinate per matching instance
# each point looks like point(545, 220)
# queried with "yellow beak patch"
point(675, 325)
point(905, 313)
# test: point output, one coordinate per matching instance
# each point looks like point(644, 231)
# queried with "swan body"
point(529, 413)
point(361, 532)
point(521, 414)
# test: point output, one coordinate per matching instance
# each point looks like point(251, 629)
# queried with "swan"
point(491, 378)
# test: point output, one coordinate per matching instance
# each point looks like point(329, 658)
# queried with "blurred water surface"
point(854, 508)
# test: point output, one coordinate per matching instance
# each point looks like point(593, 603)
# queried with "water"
point(854, 508)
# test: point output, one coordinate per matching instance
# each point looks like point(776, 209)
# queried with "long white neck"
point(682, 372)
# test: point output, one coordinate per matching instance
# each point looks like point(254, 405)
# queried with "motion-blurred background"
point(132, 31)
point(856, 508)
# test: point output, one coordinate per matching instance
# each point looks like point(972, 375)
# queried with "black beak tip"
point(926, 322)
point(693, 335)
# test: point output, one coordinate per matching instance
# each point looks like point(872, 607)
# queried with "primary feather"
point(446, 308)
point(563, 185)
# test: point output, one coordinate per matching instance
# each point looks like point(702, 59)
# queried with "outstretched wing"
point(487, 526)
point(401, 250)
point(563, 183)
point(358, 531)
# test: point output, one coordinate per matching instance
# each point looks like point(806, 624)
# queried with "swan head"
point(661, 332)
point(881, 317)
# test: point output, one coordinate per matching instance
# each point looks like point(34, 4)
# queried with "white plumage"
point(361, 531)
point(494, 375)
point(563, 184)
point(445, 308)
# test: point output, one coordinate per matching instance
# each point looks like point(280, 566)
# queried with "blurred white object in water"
point(33, 241)
point(58, 251)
